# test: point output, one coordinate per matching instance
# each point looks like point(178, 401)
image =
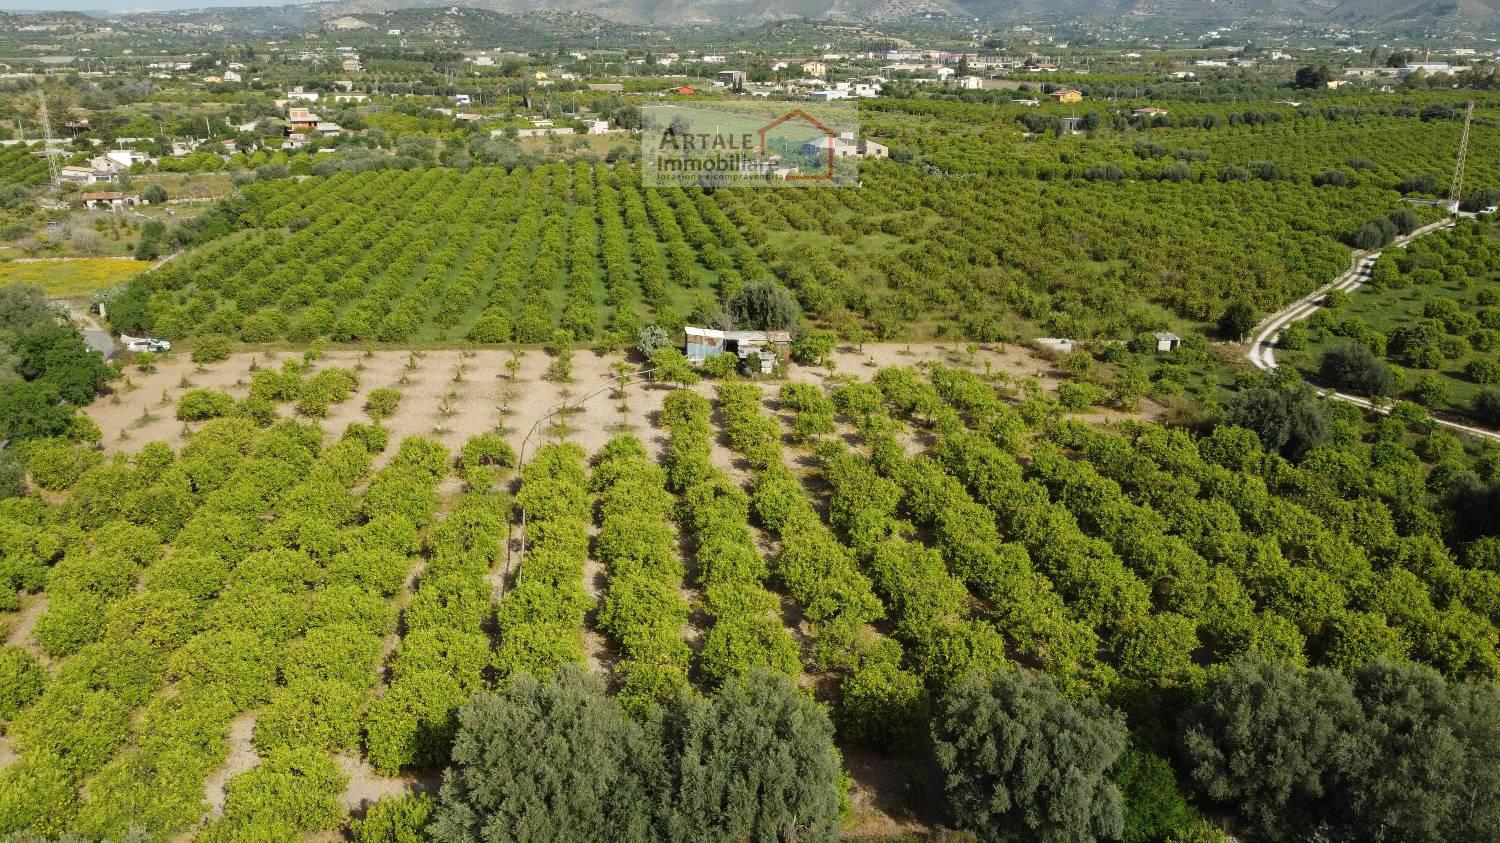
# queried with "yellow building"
point(1066, 95)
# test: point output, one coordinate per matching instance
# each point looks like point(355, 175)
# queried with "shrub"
point(21, 680)
point(1483, 370)
point(1155, 807)
point(310, 713)
point(372, 437)
point(482, 455)
point(1431, 390)
point(381, 403)
point(413, 723)
point(1079, 395)
point(203, 404)
point(1349, 365)
point(1486, 406)
point(56, 465)
point(212, 348)
point(813, 347)
point(395, 819)
point(296, 788)
point(1331, 178)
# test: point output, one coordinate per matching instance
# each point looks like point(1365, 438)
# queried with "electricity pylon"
point(1455, 193)
point(47, 138)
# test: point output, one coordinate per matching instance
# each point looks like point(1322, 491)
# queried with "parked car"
point(149, 344)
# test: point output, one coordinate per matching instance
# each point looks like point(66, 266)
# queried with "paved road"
point(1262, 351)
point(97, 338)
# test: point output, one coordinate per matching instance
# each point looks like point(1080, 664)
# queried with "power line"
point(1455, 194)
point(47, 139)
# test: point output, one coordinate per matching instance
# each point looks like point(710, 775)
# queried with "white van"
point(148, 344)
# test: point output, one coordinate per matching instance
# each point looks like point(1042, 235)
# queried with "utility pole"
point(1455, 194)
point(41, 97)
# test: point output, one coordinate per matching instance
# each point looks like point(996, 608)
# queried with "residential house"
point(535, 133)
point(1066, 95)
point(1167, 342)
point(598, 127)
point(970, 83)
point(119, 160)
point(83, 175)
point(828, 95)
point(302, 96)
point(108, 200)
point(302, 119)
point(815, 68)
point(232, 76)
point(731, 78)
point(352, 66)
point(1149, 111)
point(846, 145)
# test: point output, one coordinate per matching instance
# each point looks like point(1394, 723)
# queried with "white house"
point(846, 145)
point(232, 76)
point(1167, 342)
point(302, 96)
point(598, 127)
point(82, 175)
point(117, 160)
point(828, 95)
point(814, 68)
point(970, 83)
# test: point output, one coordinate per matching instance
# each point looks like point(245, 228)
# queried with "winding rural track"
point(1262, 353)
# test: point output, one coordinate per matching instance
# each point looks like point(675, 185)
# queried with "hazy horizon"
point(89, 6)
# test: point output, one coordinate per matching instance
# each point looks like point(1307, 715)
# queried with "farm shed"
point(757, 351)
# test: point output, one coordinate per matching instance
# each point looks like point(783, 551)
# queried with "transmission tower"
point(1455, 194)
point(47, 138)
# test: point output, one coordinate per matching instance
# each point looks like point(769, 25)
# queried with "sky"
point(127, 5)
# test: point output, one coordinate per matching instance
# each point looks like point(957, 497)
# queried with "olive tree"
point(1022, 762)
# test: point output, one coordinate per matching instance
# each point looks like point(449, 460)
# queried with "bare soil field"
point(452, 395)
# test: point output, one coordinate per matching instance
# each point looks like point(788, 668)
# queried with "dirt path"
point(242, 757)
point(7, 752)
point(882, 792)
point(1262, 351)
point(366, 787)
point(33, 606)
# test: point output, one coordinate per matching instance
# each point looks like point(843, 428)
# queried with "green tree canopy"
point(1022, 762)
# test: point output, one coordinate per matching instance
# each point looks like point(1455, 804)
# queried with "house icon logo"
point(825, 171)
